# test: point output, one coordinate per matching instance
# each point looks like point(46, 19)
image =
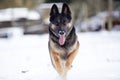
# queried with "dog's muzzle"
point(61, 32)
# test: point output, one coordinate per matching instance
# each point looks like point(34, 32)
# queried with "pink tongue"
point(62, 39)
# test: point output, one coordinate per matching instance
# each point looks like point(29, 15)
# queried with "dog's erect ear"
point(54, 10)
point(65, 10)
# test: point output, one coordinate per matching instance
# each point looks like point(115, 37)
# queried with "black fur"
point(63, 44)
point(70, 40)
point(64, 18)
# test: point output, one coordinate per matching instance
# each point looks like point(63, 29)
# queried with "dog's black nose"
point(61, 32)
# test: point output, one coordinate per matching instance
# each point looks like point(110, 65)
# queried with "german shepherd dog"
point(63, 44)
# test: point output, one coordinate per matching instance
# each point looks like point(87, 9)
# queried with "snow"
point(27, 58)
point(13, 32)
point(10, 14)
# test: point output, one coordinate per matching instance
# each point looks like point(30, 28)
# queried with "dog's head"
point(60, 23)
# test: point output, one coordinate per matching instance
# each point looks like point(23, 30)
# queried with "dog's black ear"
point(66, 10)
point(54, 10)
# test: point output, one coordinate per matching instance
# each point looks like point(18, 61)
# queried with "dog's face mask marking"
point(60, 22)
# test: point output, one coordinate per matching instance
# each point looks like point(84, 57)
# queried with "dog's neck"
point(71, 38)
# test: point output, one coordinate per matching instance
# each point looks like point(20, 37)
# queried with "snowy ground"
point(27, 58)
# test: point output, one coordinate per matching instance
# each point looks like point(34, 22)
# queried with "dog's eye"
point(55, 23)
point(65, 21)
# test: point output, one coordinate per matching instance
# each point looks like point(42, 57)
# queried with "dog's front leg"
point(57, 63)
point(71, 57)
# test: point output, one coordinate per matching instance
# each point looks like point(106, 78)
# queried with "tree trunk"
point(110, 8)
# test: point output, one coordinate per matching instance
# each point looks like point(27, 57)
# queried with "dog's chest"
point(63, 52)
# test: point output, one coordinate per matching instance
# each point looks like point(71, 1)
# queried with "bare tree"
point(110, 8)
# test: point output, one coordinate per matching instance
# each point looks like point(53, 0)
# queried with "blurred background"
point(32, 16)
point(24, 39)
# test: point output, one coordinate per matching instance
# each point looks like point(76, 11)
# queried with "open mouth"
point(62, 38)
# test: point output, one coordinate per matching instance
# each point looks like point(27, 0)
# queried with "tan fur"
point(69, 24)
point(53, 26)
point(62, 66)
